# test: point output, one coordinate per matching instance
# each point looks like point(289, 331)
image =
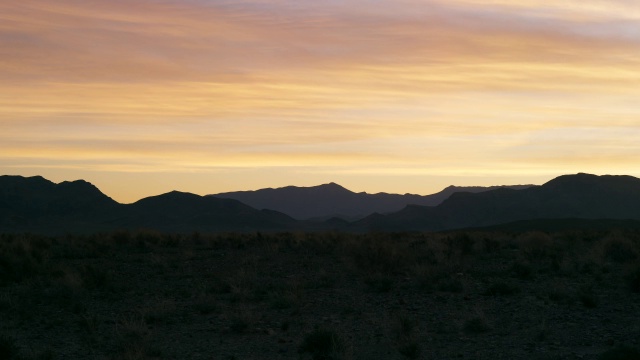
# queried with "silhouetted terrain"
point(35, 204)
point(38, 205)
point(332, 200)
point(185, 212)
point(581, 196)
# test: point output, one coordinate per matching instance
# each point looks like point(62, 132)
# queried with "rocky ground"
point(458, 295)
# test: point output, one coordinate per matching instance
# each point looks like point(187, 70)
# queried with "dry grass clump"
point(23, 257)
point(619, 248)
point(624, 352)
point(323, 344)
point(476, 324)
point(405, 334)
point(133, 339)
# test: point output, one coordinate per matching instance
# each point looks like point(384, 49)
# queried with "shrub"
point(450, 284)
point(633, 279)
point(410, 350)
point(381, 255)
point(501, 288)
point(404, 326)
point(619, 249)
point(94, 278)
point(404, 333)
point(536, 245)
point(522, 270)
point(205, 304)
point(8, 348)
point(239, 325)
point(542, 332)
point(464, 243)
point(588, 297)
point(281, 301)
point(380, 283)
point(476, 325)
point(559, 294)
point(322, 344)
point(159, 311)
point(621, 353)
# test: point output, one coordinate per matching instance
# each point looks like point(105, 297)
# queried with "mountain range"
point(34, 204)
point(332, 200)
point(580, 196)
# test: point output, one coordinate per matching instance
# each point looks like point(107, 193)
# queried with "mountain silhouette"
point(35, 204)
point(580, 196)
point(331, 200)
point(184, 212)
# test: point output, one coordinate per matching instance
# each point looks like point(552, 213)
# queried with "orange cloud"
point(406, 87)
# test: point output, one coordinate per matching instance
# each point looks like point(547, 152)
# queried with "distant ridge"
point(185, 212)
point(332, 200)
point(34, 204)
point(580, 196)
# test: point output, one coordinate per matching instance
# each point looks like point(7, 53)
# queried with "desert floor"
point(457, 295)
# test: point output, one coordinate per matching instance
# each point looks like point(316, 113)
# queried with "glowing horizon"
point(142, 96)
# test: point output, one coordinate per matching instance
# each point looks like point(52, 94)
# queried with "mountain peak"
point(570, 180)
point(332, 186)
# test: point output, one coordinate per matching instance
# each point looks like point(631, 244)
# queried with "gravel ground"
point(476, 295)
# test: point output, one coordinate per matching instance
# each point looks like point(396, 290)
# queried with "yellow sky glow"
point(146, 96)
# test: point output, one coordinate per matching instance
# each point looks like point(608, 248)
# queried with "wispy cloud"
point(377, 87)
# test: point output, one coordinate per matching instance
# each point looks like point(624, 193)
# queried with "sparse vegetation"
point(322, 344)
point(633, 278)
point(148, 295)
point(624, 352)
point(476, 325)
point(405, 333)
point(502, 288)
point(8, 348)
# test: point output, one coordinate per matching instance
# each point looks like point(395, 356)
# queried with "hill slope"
point(34, 204)
point(580, 196)
point(184, 212)
point(332, 200)
point(37, 205)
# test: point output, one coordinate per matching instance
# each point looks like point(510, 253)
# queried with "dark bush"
point(8, 348)
point(588, 297)
point(620, 250)
point(621, 353)
point(633, 279)
point(322, 345)
point(476, 325)
point(451, 285)
point(501, 288)
point(410, 350)
point(522, 270)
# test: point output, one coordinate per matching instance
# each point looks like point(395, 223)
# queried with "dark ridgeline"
point(581, 196)
point(331, 200)
point(185, 212)
point(39, 205)
point(35, 204)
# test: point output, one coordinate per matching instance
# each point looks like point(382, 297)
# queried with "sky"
point(141, 97)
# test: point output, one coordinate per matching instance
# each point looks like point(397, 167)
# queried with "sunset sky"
point(141, 97)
